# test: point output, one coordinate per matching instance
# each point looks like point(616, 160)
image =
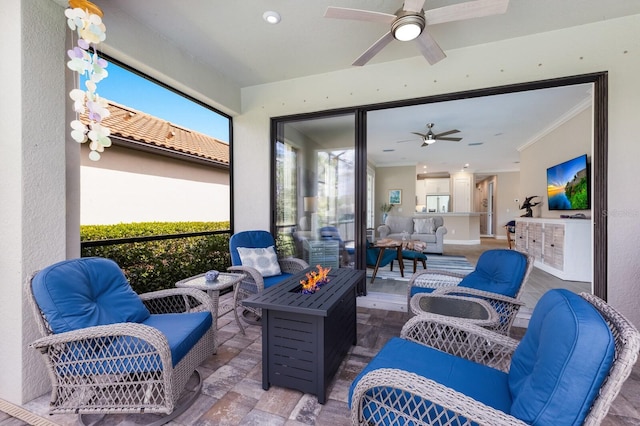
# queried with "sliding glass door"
point(315, 201)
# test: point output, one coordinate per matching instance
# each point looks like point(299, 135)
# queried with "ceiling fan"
point(410, 20)
point(430, 137)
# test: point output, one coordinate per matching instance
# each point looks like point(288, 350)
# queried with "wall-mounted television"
point(568, 185)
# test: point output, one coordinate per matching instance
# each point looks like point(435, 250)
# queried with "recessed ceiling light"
point(271, 17)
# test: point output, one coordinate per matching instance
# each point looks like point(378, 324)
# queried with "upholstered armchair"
point(253, 253)
point(499, 278)
point(566, 370)
point(111, 351)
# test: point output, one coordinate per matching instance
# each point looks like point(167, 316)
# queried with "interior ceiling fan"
point(430, 137)
point(410, 20)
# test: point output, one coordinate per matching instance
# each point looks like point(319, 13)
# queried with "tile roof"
point(131, 125)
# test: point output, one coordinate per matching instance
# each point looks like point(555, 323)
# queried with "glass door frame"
point(599, 158)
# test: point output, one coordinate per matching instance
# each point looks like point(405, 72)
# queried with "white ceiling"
point(232, 37)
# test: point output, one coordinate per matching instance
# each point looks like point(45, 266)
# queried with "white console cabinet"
point(561, 247)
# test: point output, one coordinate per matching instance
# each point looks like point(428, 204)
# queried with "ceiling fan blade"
point(422, 135)
point(449, 139)
point(467, 10)
point(374, 49)
point(449, 132)
point(413, 5)
point(358, 15)
point(429, 48)
point(406, 140)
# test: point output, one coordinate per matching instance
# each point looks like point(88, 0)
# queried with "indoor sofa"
point(430, 230)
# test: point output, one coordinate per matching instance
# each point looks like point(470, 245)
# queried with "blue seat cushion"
point(415, 290)
point(271, 281)
point(561, 362)
point(126, 354)
point(86, 292)
point(182, 330)
point(498, 271)
point(480, 382)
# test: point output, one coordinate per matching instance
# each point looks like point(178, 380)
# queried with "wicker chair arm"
point(432, 279)
point(461, 338)
point(291, 265)
point(176, 300)
point(251, 275)
point(435, 279)
point(110, 335)
point(506, 307)
point(423, 393)
point(467, 291)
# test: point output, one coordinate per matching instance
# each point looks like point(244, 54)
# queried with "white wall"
point(133, 186)
point(507, 190)
point(573, 138)
point(604, 46)
point(32, 171)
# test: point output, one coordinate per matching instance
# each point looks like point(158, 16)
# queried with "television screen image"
point(568, 185)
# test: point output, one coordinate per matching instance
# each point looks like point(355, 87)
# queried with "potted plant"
point(385, 209)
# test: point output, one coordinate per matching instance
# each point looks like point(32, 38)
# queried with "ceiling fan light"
point(271, 17)
point(407, 27)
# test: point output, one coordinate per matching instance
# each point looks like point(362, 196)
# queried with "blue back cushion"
point(561, 362)
point(90, 291)
point(249, 239)
point(498, 271)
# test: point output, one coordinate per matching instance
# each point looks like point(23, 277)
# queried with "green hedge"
point(157, 265)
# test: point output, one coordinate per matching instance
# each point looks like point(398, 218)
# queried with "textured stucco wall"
point(34, 201)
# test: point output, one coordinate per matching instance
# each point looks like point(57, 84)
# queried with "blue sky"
point(127, 88)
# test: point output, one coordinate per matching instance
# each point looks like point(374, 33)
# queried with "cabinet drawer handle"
point(552, 245)
point(534, 241)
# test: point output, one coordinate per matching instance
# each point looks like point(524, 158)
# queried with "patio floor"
point(232, 392)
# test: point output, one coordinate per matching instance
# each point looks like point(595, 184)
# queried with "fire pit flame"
point(315, 280)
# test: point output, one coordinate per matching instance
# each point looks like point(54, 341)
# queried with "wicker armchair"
point(568, 368)
point(499, 278)
point(110, 351)
point(254, 281)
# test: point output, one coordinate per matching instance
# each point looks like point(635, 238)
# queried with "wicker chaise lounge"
point(567, 370)
point(109, 350)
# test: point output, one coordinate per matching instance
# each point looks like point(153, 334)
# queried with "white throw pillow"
point(265, 260)
point(424, 226)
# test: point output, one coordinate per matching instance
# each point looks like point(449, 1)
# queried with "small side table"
point(225, 280)
point(473, 310)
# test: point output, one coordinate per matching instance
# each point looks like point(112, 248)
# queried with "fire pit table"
point(306, 336)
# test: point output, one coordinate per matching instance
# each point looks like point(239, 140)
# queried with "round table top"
point(224, 280)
